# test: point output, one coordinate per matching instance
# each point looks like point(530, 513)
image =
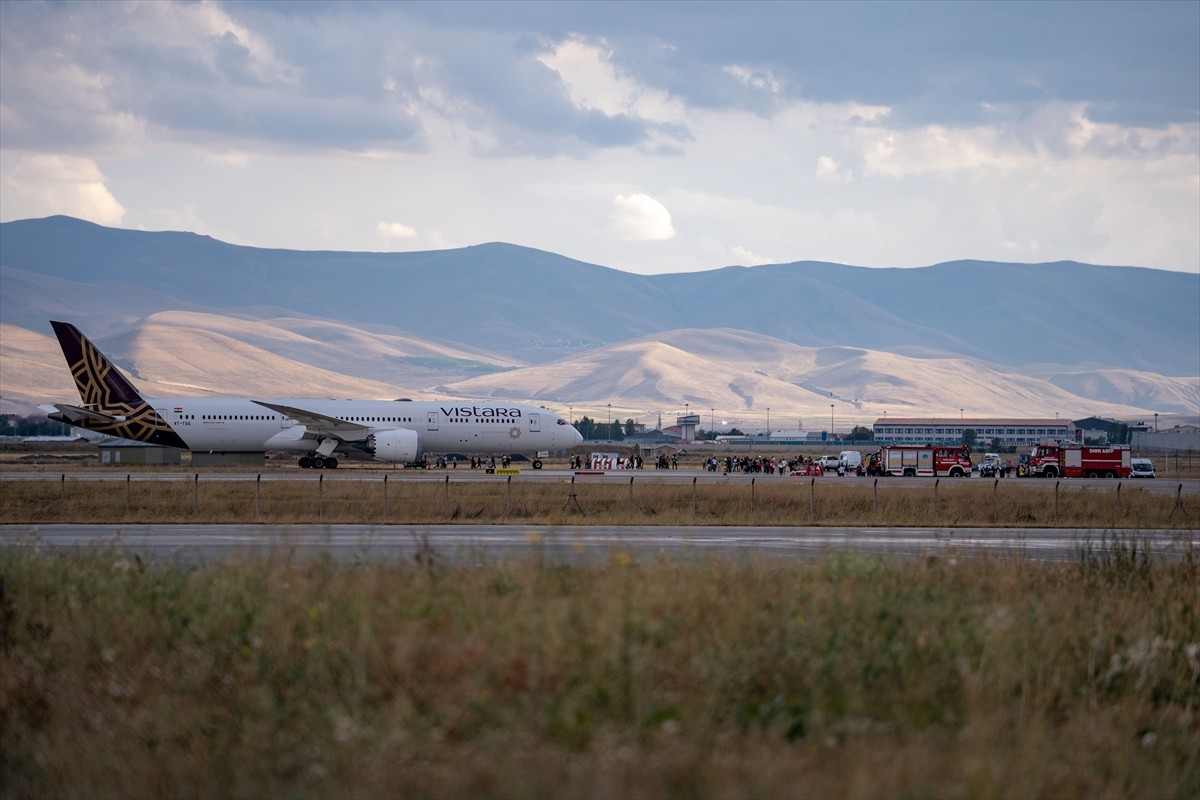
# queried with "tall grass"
point(847, 676)
point(771, 501)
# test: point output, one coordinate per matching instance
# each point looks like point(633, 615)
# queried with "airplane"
point(400, 431)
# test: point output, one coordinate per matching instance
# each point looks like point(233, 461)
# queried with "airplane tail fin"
point(100, 385)
point(111, 404)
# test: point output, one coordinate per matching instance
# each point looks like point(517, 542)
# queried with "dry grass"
point(848, 676)
point(770, 501)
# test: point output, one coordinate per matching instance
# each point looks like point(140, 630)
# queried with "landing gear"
point(318, 462)
point(537, 463)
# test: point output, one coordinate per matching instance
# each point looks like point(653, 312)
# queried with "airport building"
point(949, 430)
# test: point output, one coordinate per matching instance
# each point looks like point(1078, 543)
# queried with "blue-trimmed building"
point(949, 430)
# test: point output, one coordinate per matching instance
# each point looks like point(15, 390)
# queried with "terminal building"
point(949, 430)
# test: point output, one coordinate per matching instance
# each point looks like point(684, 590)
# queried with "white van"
point(851, 459)
point(1142, 468)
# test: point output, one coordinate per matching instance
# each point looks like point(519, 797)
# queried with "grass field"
point(769, 501)
point(847, 676)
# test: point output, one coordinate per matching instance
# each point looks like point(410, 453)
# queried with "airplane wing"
point(321, 425)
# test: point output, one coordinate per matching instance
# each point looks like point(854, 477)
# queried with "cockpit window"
point(562, 421)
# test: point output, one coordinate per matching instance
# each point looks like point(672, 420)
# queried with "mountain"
point(533, 306)
point(188, 314)
point(707, 369)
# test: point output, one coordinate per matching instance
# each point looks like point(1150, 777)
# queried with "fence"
point(619, 501)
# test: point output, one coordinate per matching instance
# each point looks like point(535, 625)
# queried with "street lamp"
point(1156, 422)
point(831, 421)
point(712, 430)
point(768, 422)
point(960, 415)
point(610, 436)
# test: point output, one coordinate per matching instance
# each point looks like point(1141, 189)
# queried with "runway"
point(196, 544)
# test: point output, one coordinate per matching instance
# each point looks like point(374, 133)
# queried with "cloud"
point(755, 77)
point(641, 217)
point(46, 184)
point(395, 230)
point(830, 171)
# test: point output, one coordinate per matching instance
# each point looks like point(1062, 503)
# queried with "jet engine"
point(393, 445)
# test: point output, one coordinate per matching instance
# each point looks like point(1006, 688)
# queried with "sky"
point(647, 137)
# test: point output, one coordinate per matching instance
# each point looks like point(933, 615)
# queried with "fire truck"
point(1078, 461)
point(909, 460)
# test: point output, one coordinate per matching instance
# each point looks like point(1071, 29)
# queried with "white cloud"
point(830, 171)
point(395, 230)
point(641, 217)
point(756, 77)
point(593, 82)
point(747, 258)
point(45, 185)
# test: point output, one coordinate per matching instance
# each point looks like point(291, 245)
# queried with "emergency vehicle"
point(1063, 460)
point(911, 460)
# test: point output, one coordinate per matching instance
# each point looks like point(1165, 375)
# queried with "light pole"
point(831, 422)
point(960, 415)
point(1156, 422)
point(610, 421)
point(769, 422)
point(572, 413)
point(712, 430)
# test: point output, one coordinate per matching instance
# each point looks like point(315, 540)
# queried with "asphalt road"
point(193, 544)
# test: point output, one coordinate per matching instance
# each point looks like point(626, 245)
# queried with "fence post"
point(936, 482)
point(447, 493)
point(1056, 484)
point(1118, 497)
point(875, 495)
point(258, 495)
point(693, 494)
point(995, 486)
point(127, 490)
point(321, 495)
point(508, 500)
point(632, 507)
point(385, 477)
point(812, 497)
point(196, 494)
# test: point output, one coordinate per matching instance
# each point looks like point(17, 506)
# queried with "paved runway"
point(190, 544)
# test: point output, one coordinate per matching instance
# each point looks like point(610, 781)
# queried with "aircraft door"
point(535, 424)
point(161, 422)
point(433, 421)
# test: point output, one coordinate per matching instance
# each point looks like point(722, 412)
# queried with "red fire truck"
point(908, 460)
point(1079, 461)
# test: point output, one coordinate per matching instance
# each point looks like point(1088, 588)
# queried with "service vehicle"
point(1069, 460)
point(913, 460)
point(1141, 468)
point(829, 462)
point(990, 466)
point(851, 459)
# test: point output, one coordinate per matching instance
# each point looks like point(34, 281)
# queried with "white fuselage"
point(243, 425)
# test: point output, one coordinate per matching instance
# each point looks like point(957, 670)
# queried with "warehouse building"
point(949, 430)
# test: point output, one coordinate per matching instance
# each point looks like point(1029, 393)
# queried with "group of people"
point(764, 465)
